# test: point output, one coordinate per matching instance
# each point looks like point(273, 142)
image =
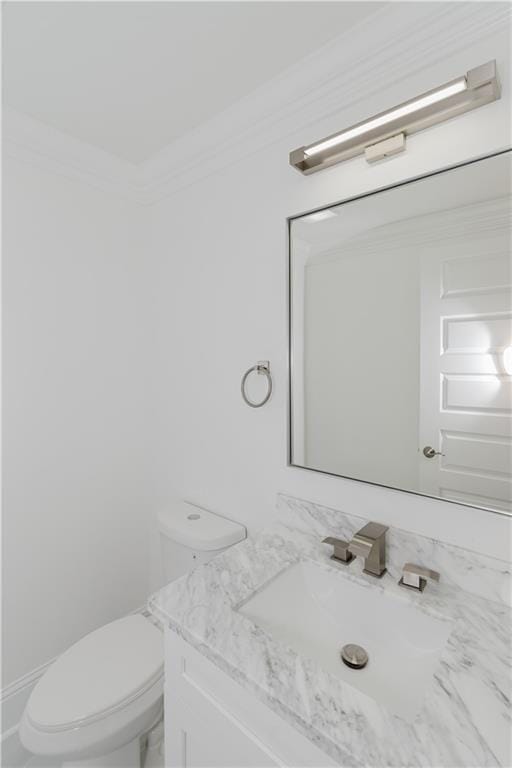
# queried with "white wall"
point(221, 197)
point(76, 418)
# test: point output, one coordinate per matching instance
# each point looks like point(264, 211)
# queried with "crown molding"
point(30, 141)
point(489, 220)
point(401, 40)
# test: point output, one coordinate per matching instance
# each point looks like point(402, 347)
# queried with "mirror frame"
point(289, 221)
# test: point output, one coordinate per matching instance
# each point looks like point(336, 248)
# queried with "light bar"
point(479, 86)
point(394, 114)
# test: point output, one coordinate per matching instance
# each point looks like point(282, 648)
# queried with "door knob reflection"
point(429, 452)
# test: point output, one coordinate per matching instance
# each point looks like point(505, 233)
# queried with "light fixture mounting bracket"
point(386, 148)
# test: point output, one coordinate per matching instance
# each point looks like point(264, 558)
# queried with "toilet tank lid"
point(198, 528)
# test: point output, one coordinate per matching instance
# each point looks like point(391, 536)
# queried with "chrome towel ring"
point(263, 368)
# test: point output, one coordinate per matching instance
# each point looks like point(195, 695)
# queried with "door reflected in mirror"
point(401, 334)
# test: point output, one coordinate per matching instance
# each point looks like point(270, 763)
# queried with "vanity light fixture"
point(384, 134)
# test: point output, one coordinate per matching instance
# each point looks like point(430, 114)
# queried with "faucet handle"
point(341, 552)
point(415, 577)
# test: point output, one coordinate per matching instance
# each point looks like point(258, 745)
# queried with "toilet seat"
point(99, 692)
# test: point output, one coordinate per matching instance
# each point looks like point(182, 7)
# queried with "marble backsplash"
point(478, 574)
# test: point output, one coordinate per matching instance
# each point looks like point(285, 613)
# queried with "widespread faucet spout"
point(370, 544)
point(360, 547)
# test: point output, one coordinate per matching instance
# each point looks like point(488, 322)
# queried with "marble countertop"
point(465, 718)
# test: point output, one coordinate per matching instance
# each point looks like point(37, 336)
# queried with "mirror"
point(401, 336)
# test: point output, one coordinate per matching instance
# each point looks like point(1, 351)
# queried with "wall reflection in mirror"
point(401, 336)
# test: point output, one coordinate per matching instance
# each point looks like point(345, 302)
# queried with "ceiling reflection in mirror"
point(401, 336)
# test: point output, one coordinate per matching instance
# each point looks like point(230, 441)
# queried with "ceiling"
point(130, 77)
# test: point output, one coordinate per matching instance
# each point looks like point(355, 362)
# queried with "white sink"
point(317, 610)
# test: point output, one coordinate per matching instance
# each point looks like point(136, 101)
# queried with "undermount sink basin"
point(317, 610)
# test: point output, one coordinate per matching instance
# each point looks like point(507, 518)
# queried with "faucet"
point(368, 543)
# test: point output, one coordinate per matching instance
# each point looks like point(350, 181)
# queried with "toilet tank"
point(190, 536)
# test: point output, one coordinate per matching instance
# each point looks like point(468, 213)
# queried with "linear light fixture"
point(384, 134)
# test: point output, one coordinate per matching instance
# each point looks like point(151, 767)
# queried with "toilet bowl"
point(91, 707)
point(99, 697)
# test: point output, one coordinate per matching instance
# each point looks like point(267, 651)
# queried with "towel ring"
point(263, 368)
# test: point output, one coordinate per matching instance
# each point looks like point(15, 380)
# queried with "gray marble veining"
point(465, 718)
point(479, 574)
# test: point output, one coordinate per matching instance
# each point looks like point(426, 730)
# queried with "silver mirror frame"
point(289, 221)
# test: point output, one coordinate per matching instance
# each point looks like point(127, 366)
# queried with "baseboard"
point(13, 699)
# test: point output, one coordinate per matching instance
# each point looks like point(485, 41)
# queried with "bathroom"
point(153, 221)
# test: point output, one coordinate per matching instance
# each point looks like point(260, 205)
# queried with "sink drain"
point(354, 656)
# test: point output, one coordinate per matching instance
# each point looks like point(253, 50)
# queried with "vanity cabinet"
point(212, 722)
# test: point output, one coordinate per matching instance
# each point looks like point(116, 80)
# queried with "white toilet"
point(95, 702)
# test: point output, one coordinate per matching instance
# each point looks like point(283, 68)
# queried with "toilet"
point(93, 705)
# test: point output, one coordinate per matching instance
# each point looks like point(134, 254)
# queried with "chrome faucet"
point(368, 543)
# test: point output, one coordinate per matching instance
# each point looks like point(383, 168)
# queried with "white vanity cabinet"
point(212, 722)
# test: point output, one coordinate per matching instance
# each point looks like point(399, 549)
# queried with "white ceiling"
point(130, 77)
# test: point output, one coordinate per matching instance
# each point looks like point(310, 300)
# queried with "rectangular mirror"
point(401, 336)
